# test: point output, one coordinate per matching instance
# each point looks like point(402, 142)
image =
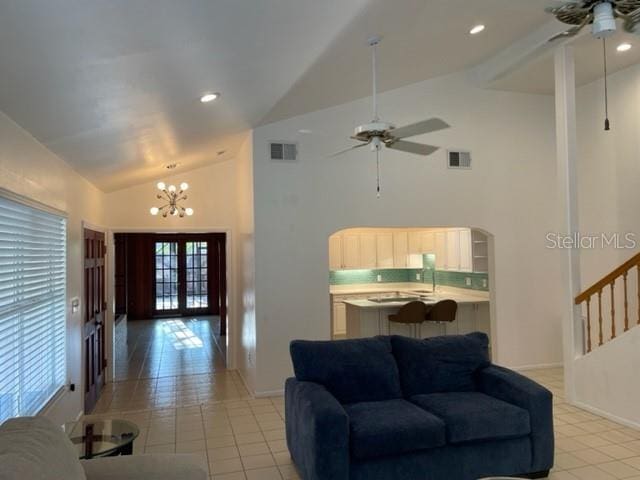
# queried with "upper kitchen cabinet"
point(384, 249)
point(414, 259)
point(335, 252)
point(351, 251)
point(368, 253)
point(400, 249)
point(428, 242)
point(455, 249)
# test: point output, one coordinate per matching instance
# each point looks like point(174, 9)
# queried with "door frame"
point(108, 321)
point(231, 336)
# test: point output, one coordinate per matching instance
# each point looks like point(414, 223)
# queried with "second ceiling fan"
point(378, 134)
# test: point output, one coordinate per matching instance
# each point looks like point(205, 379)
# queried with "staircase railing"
point(597, 289)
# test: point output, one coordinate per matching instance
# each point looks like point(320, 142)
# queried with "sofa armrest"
point(523, 392)
point(146, 467)
point(317, 431)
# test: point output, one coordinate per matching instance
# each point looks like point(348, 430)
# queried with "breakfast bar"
point(369, 317)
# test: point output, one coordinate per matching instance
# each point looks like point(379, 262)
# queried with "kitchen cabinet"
point(339, 318)
point(351, 251)
point(414, 259)
point(335, 252)
point(400, 249)
point(368, 254)
point(466, 260)
point(384, 250)
point(453, 250)
point(428, 242)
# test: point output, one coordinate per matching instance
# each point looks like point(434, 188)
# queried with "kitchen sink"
point(393, 299)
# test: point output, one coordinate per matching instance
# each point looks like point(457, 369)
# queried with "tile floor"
point(242, 438)
point(168, 347)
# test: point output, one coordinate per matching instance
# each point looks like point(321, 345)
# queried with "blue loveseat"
point(400, 408)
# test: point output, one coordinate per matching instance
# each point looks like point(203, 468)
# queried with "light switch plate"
point(418, 276)
point(379, 278)
point(75, 305)
point(467, 281)
point(484, 282)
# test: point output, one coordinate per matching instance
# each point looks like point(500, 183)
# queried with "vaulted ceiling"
point(113, 86)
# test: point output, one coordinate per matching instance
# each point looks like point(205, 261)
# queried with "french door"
point(182, 276)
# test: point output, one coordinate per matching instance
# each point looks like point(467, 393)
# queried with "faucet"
point(433, 280)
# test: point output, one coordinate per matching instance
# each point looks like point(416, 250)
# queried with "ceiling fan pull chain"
point(607, 125)
point(378, 171)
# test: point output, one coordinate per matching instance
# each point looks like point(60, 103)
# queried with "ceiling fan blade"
point(573, 31)
point(412, 147)
point(347, 150)
point(426, 126)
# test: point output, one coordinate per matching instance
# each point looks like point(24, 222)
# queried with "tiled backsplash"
point(404, 275)
point(354, 277)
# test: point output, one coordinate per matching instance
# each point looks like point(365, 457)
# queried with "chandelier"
point(173, 196)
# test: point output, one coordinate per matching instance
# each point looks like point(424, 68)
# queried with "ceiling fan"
point(378, 134)
point(601, 14)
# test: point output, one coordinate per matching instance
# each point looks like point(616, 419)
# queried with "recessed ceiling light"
point(477, 29)
point(623, 47)
point(209, 97)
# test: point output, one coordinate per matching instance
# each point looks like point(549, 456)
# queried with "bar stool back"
point(442, 313)
point(413, 313)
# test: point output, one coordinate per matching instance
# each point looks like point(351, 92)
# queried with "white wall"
point(29, 169)
point(509, 192)
point(609, 195)
point(245, 266)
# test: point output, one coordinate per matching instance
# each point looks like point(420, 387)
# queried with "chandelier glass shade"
point(172, 196)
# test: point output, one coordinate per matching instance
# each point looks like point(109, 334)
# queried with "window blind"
point(32, 308)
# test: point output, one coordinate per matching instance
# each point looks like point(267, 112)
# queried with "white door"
point(351, 251)
point(335, 252)
point(466, 257)
point(453, 250)
point(384, 250)
point(415, 250)
point(368, 257)
point(400, 249)
point(339, 318)
point(441, 250)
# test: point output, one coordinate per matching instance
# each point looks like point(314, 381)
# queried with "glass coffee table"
point(102, 438)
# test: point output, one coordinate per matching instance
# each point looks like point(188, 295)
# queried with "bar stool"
point(442, 313)
point(412, 313)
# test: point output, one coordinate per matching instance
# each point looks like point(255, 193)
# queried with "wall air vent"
point(459, 159)
point(283, 151)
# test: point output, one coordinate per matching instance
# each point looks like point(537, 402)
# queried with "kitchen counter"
point(365, 317)
point(428, 299)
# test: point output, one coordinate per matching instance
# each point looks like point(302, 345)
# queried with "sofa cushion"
point(34, 448)
point(362, 370)
point(440, 364)
point(392, 427)
point(471, 416)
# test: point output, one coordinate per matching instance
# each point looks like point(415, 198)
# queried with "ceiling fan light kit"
point(378, 134)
